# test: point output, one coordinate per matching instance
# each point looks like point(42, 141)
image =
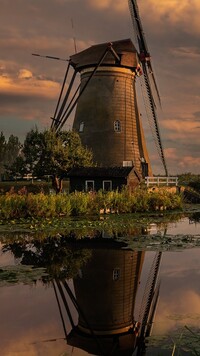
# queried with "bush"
point(79, 203)
point(12, 206)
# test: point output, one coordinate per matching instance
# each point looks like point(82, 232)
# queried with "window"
point(116, 274)
point(81, 127)
point(89, 185)
point(117, 126)
point(107, 185)
point(127, 163)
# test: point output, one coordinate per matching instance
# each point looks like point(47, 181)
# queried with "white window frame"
point(116, 274)
point(117, 126)
point(107, 181)
point(127, 163)
point(86, 185)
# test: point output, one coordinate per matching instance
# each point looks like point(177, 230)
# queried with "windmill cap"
point(124, 49)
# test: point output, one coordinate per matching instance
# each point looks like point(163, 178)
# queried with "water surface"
point(60, 296)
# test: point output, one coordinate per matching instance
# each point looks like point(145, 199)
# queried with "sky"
point(30, 86)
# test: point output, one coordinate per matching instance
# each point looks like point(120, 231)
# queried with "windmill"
point(105, 298)
point(95, 282)
point(107, 117)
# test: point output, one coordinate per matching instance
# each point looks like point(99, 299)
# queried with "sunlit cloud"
point(33, 86)
point(25, 74)
point(112, 5)
point(184, 13)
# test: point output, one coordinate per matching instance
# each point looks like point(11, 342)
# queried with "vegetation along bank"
point(22, 205)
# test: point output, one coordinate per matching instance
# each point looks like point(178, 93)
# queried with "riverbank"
point(22, 205)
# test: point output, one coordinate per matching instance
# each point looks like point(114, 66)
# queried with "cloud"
point(29, 86)
point(186, 52)
point(111, 5)
point(183, 14)
point(25, 74)
point(171, 153)
point(32, 87)
point(181, 128)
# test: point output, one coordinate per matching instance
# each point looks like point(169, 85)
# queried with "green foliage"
point(12, 206)
point(195, 185)
point(52, 153)
point(186, 179)
point(185, 340)
point(50, 258)
point(40, 204)
point(21, 204)
point(62, 205)
point(9, 151)
point(79, 203)
point(10, 275)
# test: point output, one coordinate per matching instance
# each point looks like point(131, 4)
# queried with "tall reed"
point(14, 205)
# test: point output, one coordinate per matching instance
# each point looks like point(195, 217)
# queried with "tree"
point(2, 153)
point(17, 169)
point(54, 154)
point(9, 151)
point(13, 148)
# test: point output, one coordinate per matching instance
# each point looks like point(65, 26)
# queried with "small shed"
point(105, 178)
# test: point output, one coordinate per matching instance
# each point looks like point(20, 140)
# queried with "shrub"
point(62, 204)
point(12, 206)
point(79, 203)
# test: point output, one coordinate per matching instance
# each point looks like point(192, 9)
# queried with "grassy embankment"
point(23, 203)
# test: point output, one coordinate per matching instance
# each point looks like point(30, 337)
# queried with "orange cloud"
point(32, 86)
point(25, 74)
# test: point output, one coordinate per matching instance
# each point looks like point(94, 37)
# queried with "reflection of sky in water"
point(6, 258)
point(29, 314)
point(180, 289)
point(29, 317)
point(184, 227)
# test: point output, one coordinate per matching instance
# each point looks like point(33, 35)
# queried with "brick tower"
point(107, 116)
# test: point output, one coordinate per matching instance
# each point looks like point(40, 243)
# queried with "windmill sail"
point(151, 90)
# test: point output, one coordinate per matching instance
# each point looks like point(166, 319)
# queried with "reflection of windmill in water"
point(104, 297)
point(107, 116)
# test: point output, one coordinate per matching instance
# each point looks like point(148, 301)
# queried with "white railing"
point(161, 181)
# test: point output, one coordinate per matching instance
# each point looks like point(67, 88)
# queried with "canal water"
point(133, 293)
